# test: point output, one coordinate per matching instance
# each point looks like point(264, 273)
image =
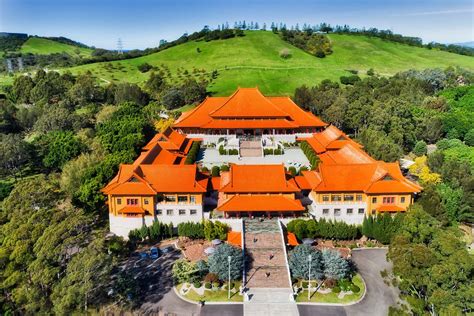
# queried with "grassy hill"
point(253, 60)
point(43, 46)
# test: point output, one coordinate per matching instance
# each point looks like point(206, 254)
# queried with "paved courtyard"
point(210, 157)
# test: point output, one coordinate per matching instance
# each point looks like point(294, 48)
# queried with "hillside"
point(254, 60)
point(43, 46)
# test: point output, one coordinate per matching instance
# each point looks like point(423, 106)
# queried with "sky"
point(143, 23)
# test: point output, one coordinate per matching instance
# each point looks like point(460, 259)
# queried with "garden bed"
point(331, 296)
point(218, 294)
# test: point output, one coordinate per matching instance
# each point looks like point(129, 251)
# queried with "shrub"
point(191, 229)
point(349, 80)
point(370, 72)
point(208, 285)
point(145, 67)
point(354, 288)
point(469, 137)
point(215, 284)
point(292, 170)
point(215, 171)
point(219, 265)
point(304, 284)
point(232, 285)
point(222, 151)
point(336, 289)
point(224, 168)
point(320, 54)
point(211, 278)
point(330, 283)
point(344, 284)
point(197, 284)
point(285, 53)
point(205, 169)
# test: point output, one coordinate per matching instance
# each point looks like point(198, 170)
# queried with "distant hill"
point(466, 44)
point(253, 60)
point(44, 46)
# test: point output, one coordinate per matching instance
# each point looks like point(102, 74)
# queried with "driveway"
point(369, 262)
point(378, 297)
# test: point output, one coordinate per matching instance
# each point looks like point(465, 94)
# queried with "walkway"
point(265, 254)
point(251, 148)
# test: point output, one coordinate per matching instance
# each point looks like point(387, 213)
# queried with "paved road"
point(378, 297)
point(369, 262)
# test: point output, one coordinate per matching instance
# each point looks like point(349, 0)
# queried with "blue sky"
point(142, 23)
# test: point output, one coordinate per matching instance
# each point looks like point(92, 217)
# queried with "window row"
point(172, 212)
point(342, 197)
point(338, 211)
point(180, 198)
point(132, 202)
point(388, 199)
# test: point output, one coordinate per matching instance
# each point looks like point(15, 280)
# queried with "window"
point(325, 211)
point(374, 200)
point(119, 201)
point(193, 212)
point(373, 212)
point(337, 212)
point(359, 197)
point(348, 197)
point(169, 212)
point(325, 198)
point(402, 199)
point(145, 201)
point(170, 198)
point(159, 212)
point(182, 199)
point(387, 178)
point(349, 211)
point(192, 199)
point(182, 212)
point(335, 198)
point(388, 199)
point(361, 211)
point(132, 201)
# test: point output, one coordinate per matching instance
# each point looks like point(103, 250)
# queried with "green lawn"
point(332, 297)
point(44, 46)
point(213, 296)
point(253, 60)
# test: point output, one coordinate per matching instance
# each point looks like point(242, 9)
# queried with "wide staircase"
point(266, 255)
point(251, 148)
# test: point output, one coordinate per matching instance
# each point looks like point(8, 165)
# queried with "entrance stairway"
point(265, 254)
point(251, 148)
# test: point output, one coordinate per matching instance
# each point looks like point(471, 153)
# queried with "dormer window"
point(133, 179)
point(341, 138)
point(387, 177)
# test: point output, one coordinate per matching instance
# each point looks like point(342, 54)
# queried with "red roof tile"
point(259, 202)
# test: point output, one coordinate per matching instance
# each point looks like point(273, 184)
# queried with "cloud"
point(442, 12)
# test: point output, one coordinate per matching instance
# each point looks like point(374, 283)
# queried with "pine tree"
point(335, 267)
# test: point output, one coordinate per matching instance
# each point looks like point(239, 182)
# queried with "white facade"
point(214, 139)
point(348, 212)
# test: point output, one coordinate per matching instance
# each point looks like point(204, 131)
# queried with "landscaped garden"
point(328, 276)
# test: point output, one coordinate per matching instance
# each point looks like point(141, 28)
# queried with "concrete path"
point(270, 302)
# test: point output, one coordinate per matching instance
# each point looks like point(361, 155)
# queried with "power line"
point(119, 46)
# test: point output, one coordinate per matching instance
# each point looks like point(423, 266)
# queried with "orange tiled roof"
point(371, 178)
point(234, 238)
point(244, 104)
point(132, 210)
point(256, 178)
point(292, 240)
point(260, 202)
point(302, 183)
point(390, 208)
point(152, 179)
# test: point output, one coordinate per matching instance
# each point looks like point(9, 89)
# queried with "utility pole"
point(119, 46)
point(309, 277)
point(229, 258)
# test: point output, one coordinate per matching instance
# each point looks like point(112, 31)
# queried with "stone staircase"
point(266, 267)
point(251, 148)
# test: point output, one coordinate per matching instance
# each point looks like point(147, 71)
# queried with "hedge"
point(191, 229)
point(192, 154)
point(323, 229)
point(310, 154)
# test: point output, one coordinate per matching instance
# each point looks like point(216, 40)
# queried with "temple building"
point(257, 139)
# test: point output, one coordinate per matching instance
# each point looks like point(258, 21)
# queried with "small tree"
point(183, 270)
point(298, 261)
point(215, 171)
point(285, 53)
point(218, 262)
point(335, 267)
point(420, 148)
point(469, 137)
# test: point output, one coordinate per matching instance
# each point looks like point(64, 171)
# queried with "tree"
point(218, 262)
point(469, 138)
point(183, 270)
point(128, 92)
point(155, 84)
point(298, 261)
point(14, 153)
point(173, 99)
point(57, 148)
point(335, 267)
point(193, 91)
point(215, 230)
point(55, 119)
point(85, 90)
point(420, 148)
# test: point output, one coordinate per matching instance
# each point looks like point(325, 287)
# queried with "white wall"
point(176, 218)
point(234, 223)
point(354, 218)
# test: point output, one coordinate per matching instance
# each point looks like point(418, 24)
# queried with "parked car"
point(143, 255)
point(167, 249)
point(154, 253)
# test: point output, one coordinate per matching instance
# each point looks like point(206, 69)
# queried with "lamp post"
point(229, 258)
point(310, 258)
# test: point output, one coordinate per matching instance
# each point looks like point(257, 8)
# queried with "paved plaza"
point(292, 157)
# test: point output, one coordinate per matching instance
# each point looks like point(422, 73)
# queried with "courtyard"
point(292, 157)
